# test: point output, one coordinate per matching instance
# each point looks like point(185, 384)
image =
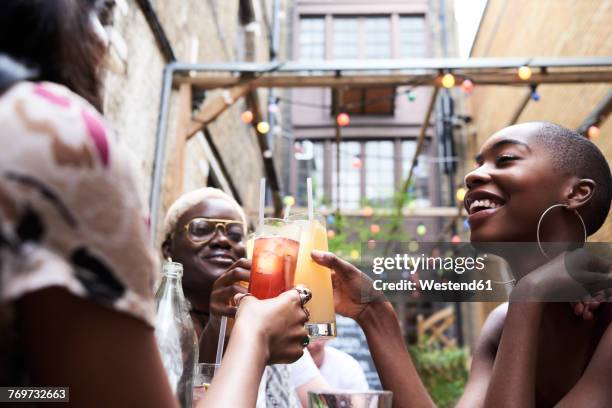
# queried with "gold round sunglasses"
point(201, 230)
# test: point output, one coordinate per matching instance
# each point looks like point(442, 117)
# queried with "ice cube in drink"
point(273, 266)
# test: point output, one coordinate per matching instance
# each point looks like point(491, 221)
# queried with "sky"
point(467, 14)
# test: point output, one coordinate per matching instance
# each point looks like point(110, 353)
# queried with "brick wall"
point(132, 98)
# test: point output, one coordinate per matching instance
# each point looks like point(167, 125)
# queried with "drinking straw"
point(220, 342)
point(287, 211)
point(262, 201)
point(310, 204)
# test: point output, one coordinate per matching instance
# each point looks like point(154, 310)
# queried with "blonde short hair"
point(193, 198)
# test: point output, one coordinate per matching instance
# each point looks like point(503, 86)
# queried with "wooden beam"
point(517, 113)
point(184, 117)
point(215, 106)
point(339, 100)
point(419, 147)
point(268, 162)
point(275, 80)
point(598, 115)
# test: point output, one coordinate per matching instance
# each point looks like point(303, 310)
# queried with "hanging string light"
point(524, 72)
point(374, 228)
point(466, 224)
point(411, 96)
point(273, 108)
point(535, 96)
point(421, 229)
point(354, 254)
point(367, 211)
point(289, 201)
point(593, 132)
point(343, 119)
point(246, 116)
point(448, 80)
point(263, 127)
point(467, 86)
point(331, 234)
point(413, 246)
point(357, 163)
point(455, 239)
point(460, 194)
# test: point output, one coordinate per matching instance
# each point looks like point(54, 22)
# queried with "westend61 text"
point(432, 285)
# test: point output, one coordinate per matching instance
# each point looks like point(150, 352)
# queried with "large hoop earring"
point(540, 223)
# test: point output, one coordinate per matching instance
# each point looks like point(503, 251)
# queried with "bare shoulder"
point(492, 330)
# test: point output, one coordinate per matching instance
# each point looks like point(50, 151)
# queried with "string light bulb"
point(273, 108)
point(343, 119)
point(421, 229)
point(593, 132)
point(357, 163)
point(467, 86)
point(331, 234)
point(455, 239)
point(374, 228)
point(413, 246)
point(263, 127)
point(289, 201)
point(535, 96)
point(246, 116)
point(460, 194)
point(448, 80)
point(411, 96)
point(524, 72)
point(367, 211)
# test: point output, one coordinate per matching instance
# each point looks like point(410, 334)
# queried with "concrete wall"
point(523, 28)
point(212, 28)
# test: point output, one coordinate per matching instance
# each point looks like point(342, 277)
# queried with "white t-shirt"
point(342, 371)
point(300, 372)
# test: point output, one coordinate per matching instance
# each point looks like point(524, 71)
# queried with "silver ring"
point(240, 300)
point(305, 294)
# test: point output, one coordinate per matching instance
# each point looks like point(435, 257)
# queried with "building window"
point(312, 38)
point(367, 171)
point(345, 38)
point(377, 37)
point(412, 36)
point(379, 172)
point(349, 196)
point(420, 186)
point(309, 163)
point(361, 37)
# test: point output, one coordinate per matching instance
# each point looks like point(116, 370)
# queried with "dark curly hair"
point(56, 39)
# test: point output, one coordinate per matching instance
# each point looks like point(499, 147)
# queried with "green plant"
point(444, 372)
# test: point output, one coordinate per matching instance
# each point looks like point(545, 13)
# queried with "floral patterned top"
point(71, 206)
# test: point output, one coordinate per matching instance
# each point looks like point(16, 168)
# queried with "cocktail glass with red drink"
point(275, 253)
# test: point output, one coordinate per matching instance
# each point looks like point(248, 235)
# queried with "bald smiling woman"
point(533, 182)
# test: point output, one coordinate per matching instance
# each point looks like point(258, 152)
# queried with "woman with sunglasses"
point(206, 232)
point(76, 265)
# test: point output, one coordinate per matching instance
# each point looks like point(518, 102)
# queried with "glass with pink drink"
point(275, 252)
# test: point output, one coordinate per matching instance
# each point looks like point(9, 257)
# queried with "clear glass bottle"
point(175, 335)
